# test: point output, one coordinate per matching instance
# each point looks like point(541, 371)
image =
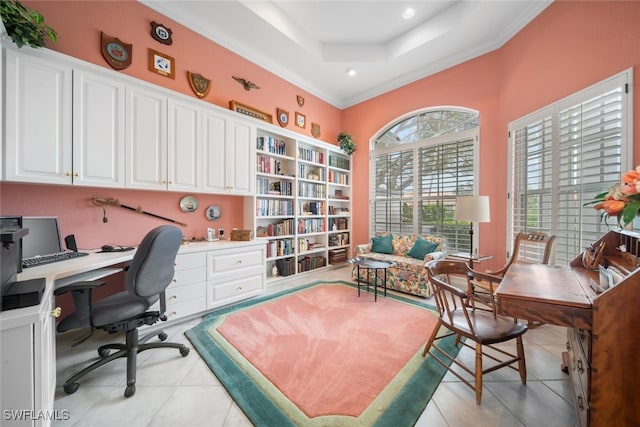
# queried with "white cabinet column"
point(184, 147)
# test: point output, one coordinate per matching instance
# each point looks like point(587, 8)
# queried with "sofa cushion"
point(421, 248)
point(382, 244)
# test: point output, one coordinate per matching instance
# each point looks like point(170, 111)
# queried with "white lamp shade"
point(472, 209)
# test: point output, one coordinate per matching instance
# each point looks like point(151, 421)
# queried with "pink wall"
point(569, 46)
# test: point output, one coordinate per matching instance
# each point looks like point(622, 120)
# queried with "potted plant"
point(25, 26)
point(346, 143)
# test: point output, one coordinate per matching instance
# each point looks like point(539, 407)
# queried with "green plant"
point(346, 143)
point(25, 26)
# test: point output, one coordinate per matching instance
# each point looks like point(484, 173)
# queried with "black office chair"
point(146, 278)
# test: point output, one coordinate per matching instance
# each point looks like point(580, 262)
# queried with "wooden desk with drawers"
point(603, 338)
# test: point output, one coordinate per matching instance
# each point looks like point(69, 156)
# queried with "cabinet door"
point(213, 147)
point(146, 139)
point(240, 158)
point(184, 170)
point(98, 130)
point(38, 120)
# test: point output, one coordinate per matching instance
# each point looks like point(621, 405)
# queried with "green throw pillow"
point(421, 247)
point(382, 244)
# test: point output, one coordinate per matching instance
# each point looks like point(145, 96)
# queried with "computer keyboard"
point(48, 259)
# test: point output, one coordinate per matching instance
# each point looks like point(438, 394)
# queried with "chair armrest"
point(434, 255)
point(362, 249)
point(78, 286)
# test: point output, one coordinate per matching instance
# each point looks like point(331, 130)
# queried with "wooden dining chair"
point(484, 328)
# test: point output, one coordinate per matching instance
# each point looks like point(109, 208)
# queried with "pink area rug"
point(328, 350)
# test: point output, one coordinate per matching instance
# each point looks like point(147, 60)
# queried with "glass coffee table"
point(371, 264)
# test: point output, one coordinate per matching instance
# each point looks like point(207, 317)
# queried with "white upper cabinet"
point(146, 140)
point(38, 113)
point(98, 130)
point(184, 156)
point(228, 155)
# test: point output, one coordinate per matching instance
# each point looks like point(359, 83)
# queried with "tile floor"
point(176, 391)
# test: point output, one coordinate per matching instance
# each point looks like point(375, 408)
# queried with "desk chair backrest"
point(532, 248)
point(153, 265)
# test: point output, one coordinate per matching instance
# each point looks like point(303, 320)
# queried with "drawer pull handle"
point(580, 367)
point(56, 312)
point(239, 261)
point(174, 297)
point(580, 403)
point(173, 313)
point(174, 280)
point(239, 288)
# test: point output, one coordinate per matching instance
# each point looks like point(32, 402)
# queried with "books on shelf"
point(282, 228)
point(276, 188)
point(282, 247)
point(311, 263)
point(339, 162)
point(271, 145)
point(310, 155)
point(336, 177)
point(286, 266)
point(274, 207)
point(337, 256)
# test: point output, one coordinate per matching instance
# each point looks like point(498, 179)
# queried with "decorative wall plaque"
point(162, 64)
point(117, 53)
point(301, 120)
point(161, 33)
point(300, 100)
point(250, 111)
point(283, 117)
point(199, 84)
point(315, 130)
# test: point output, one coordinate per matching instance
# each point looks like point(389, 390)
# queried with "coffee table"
point(370, 264)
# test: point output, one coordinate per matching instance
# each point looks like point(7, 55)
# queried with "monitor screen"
point(43, 237)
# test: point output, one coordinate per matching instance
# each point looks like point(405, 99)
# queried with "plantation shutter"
point(562, 156)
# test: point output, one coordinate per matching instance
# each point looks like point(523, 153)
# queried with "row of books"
point(311, 172)
point(308, 189)
point(309, 155)
point(266, 164)
point(311, 263)
point(286, 266)
point(271, 207)
point(268, 186)
point(337, 256)
point(338, 224)
point(316, 225)
point(339, 162)
point(305, 245)
point(282, 228)
point(338, 177)
point(312, 208)
point(281, 247)
point(271, 145)
point(339, 239)
point(338, 210)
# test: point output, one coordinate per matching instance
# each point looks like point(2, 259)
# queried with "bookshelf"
point(302, 205)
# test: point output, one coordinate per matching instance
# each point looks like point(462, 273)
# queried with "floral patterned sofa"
point(408, 274)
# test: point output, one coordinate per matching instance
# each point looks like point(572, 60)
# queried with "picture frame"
point(250, 111)
point(162, 64)
point(301, 120)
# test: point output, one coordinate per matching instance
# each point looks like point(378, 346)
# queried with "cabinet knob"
point(174, 297)
point(56, 312)
point(239, 288)
point(580, 366)
point(76, 174)
point(174, 280)
point(239, 261)
point(67, 173)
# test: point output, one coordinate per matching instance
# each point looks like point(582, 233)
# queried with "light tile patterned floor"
point(176, 391)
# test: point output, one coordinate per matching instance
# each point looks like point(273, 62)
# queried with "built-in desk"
point(603, 343)
point(208, 275)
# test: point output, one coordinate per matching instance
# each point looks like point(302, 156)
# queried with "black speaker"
point(70, 241)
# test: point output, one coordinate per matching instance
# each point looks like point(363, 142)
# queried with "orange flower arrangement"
point(622, 200)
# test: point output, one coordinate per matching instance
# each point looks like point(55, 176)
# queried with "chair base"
point(130, 350)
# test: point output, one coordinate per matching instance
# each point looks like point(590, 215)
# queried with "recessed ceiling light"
point(351, 71)
point(408, 13)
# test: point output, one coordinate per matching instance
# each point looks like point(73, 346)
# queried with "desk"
point(602, 343)
point(221, 272)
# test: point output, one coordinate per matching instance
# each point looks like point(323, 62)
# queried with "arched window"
point(419, 164)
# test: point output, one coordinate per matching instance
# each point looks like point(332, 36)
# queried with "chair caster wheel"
point(71, 388)
point(184, 351)
point(162, 336)
point(104, 352)
point(129, 391)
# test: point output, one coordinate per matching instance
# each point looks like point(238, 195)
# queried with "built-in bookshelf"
point(302, 206)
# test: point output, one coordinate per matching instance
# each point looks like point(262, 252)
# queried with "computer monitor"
point(43, 237)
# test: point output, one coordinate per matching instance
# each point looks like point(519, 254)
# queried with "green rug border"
point(404, 409)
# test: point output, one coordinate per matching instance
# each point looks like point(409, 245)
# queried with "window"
point(419, 165)
point(562, 156)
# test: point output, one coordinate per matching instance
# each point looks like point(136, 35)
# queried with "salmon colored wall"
point(569, 46)
point(78, 25)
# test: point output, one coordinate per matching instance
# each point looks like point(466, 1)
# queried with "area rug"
point(319, 355)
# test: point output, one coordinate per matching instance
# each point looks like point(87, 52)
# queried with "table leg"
point(385, 282)
point(375, 284)
point(358, 280)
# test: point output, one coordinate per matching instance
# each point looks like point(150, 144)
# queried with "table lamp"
point(472, 209)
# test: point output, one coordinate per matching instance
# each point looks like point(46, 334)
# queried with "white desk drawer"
point(182, 293)
point(185, 308)
point(192, 260)
point(238, 287)
point(221, 262)
point(186, 277)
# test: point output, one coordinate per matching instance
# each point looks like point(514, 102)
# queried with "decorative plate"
point(188, 204)
point(213, 212)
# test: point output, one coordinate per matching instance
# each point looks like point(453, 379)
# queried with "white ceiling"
point(311, 43)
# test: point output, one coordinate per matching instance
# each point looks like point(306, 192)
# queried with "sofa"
point(409, 252)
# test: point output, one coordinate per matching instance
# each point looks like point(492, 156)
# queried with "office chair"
point(146, 278)
point(485, 328)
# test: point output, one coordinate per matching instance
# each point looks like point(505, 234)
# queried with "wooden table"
point(546, 293)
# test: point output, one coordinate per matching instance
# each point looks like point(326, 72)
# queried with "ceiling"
point(312, 43)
